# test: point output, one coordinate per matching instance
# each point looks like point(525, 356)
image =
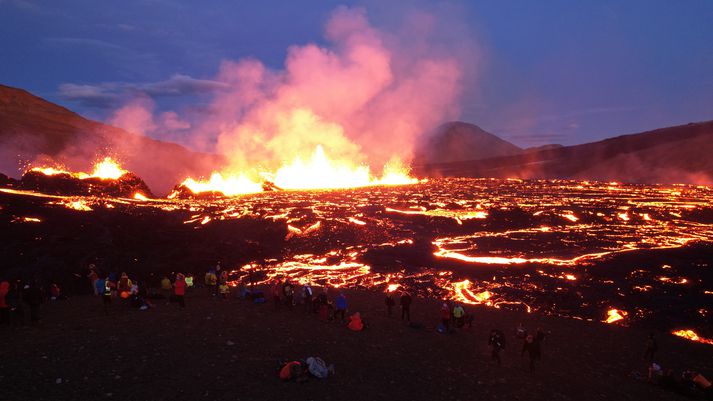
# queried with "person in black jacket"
point(497, 344)
point(32, 295)
point(405, 306)
point(532, 347)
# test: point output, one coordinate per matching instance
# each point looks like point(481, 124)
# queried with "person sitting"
point(355, 322)
point(55, 292)
point(699, 381)
point(293, 370)
point(318, 368)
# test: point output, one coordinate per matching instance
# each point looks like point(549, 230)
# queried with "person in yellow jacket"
point(166, 288)
point(211, 281)
point(459, 315)
point(224, 290)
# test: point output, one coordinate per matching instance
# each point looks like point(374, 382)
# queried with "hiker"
point(166, 288)
point(4, 308)
point(355, 322)
point(112, 280)
point(54, 292)
point(32, 295)
point(318, 368)
point(276, 293)
point(211, 280)
point(13, 299)
point(497, 344)
point(99, 286)
point(224, 290)
point(124, 286)
point(289, 292)
point(651, 348)
point(389, 303)
point(459, 315)
point(341, 306)
point(405, 302)
point(532, 347)
point(699, 381)
point(307, 298)
point(106, 294)
point(223, 278)
point(93, 277)
point(180, 289)
point(445, 312)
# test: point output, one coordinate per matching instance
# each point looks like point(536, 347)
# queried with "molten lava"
point(318, 172)
point(615, 315)
point(106, 169)
point(693, 336)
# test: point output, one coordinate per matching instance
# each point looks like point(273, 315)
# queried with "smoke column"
point(367, 96)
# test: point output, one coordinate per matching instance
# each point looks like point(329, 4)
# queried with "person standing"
point(307, 297)
point(405, 302)
point(341, 306)
point(651, 348)
point(445, 317)
point(32, 295)
point(276, 293)
point(106, 290)
point(459, 315)
point(93, 277)
point(497, 344)
point(180, 289)
point(13, 299)
point(166, 288)
point(389, 303)
point(532, 347)
point(289, 292)
point(211, 281)
point(4, 308)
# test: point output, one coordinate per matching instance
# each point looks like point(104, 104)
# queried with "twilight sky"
point(555, 71)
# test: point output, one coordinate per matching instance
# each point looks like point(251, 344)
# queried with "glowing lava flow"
point(231, 186)
point(319, 172)
point(615, 315)
point(104, 169)
point(693, 336)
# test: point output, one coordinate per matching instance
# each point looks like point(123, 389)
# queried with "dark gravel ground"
point(229, 350)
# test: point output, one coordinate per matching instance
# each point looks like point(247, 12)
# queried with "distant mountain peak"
point(457, 141)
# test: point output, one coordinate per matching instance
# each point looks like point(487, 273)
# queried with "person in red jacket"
point(4, 309)
point(179, 289)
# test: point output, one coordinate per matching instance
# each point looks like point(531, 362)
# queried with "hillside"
point(458, 141)
point(679, 154)
point(33, 129)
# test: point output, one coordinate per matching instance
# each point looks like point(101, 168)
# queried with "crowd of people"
point(18, 297)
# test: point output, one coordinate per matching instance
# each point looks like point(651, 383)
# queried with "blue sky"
point(550, 71)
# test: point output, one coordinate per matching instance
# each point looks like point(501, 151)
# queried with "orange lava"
point(317, 172)
point(105, 169)
point(692, 335)
point(615, 315)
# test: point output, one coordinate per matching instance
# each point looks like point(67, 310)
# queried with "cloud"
point(182, 85)
point(112, 94)
point(98, 96)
